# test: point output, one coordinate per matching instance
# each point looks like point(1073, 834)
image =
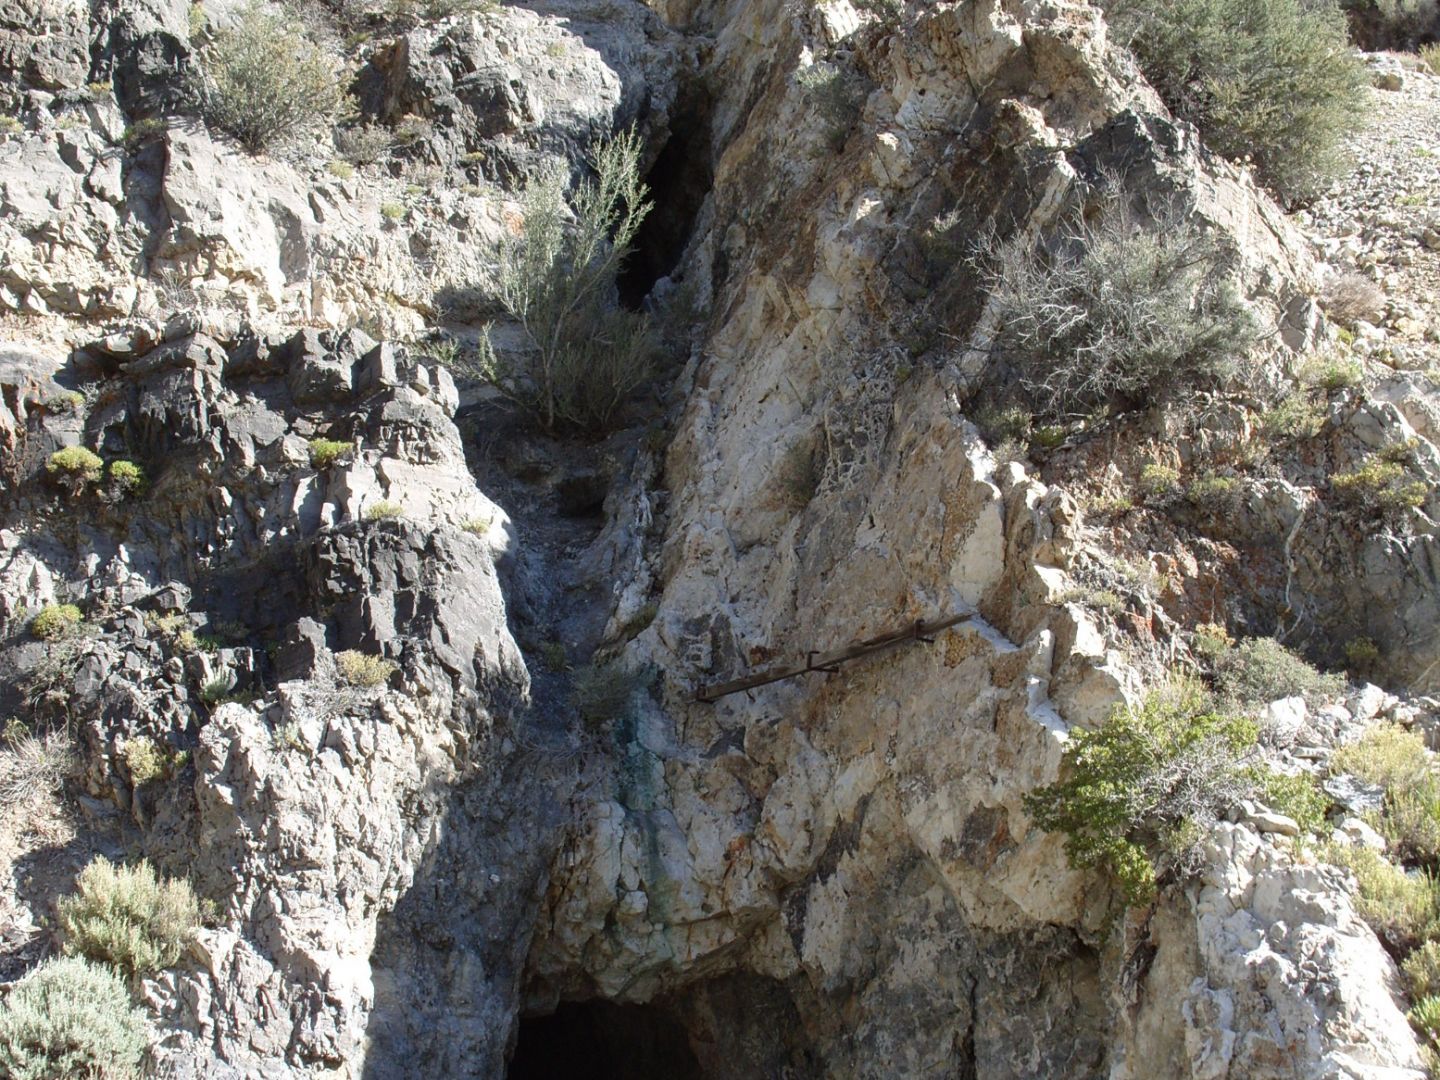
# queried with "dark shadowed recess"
point(596, 1040)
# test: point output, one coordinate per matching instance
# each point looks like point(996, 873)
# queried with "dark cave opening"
point(679, 181)
point(598, 1040)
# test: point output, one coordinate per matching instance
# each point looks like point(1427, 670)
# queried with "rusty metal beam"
point(830, 662)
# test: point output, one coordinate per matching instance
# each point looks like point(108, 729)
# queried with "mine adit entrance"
point(598, 1040)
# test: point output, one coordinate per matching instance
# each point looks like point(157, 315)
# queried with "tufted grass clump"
point(380, 511)
point(326, 452)
point(128, 917)
point(75, 467)
point(1116, 313)
point(1275, 82)
point(71, 1018)
point(364, 670)
point(1139, 791)
point(837, 94)
point(265, 83)
point(1261, 670)
point(1158, 484)
point(56, 621)
point(32, 765)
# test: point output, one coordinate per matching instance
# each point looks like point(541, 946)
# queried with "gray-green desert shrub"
point(72, 1019)
point(583, 354)
point(326, 452)
point(1275, 81)
point(1137, 792)
point(128, 917)
point(363, 670)
point(56, 621)
point(1261, 670)
point(1116, 314)
point(265, 83)
point(602, 693)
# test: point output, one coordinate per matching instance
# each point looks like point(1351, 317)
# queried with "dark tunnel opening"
point(679, 181)
point(598, 1040)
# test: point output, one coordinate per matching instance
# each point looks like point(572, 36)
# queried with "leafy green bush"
point(1261, 670)
point(1297, 797)
point(265, 83)
point(144, 758)
point(126, 478)
point(1118, 314)
point(837, 94)
point(1158, 484)
point(557, 279)
point(56, 621)
point(1378, 486)
point(1403, 909)
point(363, 670)
point(326, 452)
point(1387, 756)
point(1138, 790)
point(128, 917)
point(1275, 81)
point(69, 1018)
point(75, 467)
point(1422, 970)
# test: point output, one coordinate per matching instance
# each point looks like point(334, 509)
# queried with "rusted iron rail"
point(830, 662)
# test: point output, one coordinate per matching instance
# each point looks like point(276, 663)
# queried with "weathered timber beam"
point(831, 661)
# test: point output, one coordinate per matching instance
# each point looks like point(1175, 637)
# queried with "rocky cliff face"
point(450, 872)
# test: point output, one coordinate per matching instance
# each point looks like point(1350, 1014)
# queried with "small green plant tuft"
point(1379, 487)
point(71, 1018)
point(1158, 484)
point(364, 670)
point(75, 467)
point(1403, 909)
point(837, 95)
point(127, 480)
point(341, 170)
point(1298, 797)
point(56, 621)
point(145, 759)
point(326, 452)
point(1213, 493)
point(1361, 655)
point(1422, 970)
point(392, 211)
point(555, 657)
point(1141, 788)
point(128, 917)
point(380, 511)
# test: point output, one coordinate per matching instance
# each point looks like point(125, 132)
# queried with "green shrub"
point(602, 693)
point(1210, 641)
point(56, 621)
point(1275, 81)
point(73, 1019)
point(1424, 1016)
point(363, 670)
point(1295, 418)
point(585, 356)
point(75, 467)
point(326, 452)
point(1138, 790)
point(1387, 756)
point(1332, 374)
point(383, 509)
point(1261, 670)
point(392, 211)
point(128, 917)
point(1422, 971)
point(341, 170)
point(1297, 797)
point(265, 83)
point(1403, 909)
point(555, 657)
point(1118, 315)
point(145, 759)
point(837, 95)
point(1361, 655)
point(1430, 53)
point(1216, 494)
point(126, 478)
point(1381, 487)
point(1158, 483)
point(1410, 821)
